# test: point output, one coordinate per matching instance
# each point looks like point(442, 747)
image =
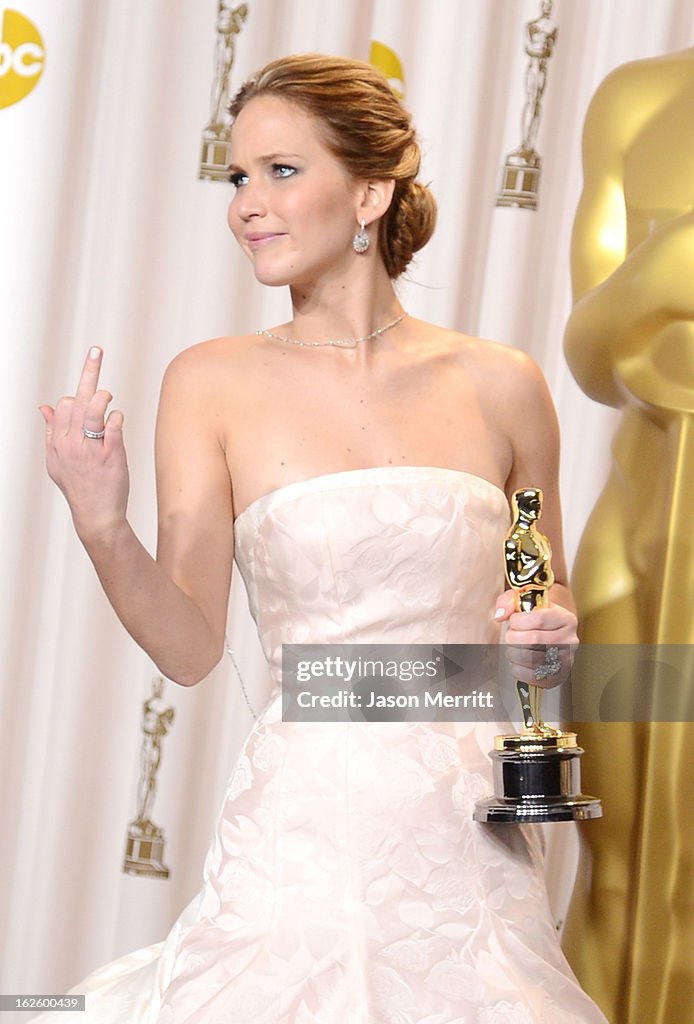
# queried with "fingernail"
point(499, 613)
point(94, 352)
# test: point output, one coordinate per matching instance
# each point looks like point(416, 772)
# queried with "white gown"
point(347, 882)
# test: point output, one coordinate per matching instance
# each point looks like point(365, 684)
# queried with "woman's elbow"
point(196, 671)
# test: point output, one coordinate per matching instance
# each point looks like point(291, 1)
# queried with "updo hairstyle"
point(367, 129)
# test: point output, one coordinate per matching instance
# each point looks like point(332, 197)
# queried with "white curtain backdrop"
point(108, 236)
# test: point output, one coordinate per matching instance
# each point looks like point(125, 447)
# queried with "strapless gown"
point(346, 882)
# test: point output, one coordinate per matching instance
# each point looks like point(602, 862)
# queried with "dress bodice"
point(409, 554)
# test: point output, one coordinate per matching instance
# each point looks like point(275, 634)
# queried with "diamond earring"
point(361, 240)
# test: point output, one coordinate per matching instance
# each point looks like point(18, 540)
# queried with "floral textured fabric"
point(347, 882)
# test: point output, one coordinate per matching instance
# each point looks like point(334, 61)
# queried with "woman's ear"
point(375, 198)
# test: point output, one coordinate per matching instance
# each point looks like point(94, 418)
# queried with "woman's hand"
point(540, 644)
point(91, 472)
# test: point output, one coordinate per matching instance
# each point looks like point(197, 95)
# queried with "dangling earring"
point(361, 240)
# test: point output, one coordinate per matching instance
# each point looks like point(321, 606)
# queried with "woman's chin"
point(271, 278)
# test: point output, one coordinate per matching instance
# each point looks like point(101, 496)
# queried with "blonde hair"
point(367, 129)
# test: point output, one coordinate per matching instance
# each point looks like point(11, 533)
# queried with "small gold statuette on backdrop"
point(521, 174)
point(144, 848)
point(214, 159)
point(537, 774)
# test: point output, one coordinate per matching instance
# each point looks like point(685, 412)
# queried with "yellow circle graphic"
point(388, 62)
point(22, 56)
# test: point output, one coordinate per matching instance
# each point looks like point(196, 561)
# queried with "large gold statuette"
point(537, 773)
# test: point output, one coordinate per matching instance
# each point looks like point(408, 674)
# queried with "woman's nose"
point(249, 201)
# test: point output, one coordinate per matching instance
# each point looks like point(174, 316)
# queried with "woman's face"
point(294, 211)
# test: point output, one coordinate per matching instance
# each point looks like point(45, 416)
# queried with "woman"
point(347, 881)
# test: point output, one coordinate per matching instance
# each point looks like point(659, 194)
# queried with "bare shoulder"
point(207, 359)
point(512, 373)
point(510, 386)
point(500, 370)
point(499, 373)
point(205, 385)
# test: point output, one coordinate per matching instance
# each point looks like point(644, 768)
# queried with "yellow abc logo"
point(388, 62)
point(22, 56)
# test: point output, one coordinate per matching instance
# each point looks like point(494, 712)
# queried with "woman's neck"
point(344, 309)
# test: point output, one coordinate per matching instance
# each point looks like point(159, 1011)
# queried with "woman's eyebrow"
point(268, 159)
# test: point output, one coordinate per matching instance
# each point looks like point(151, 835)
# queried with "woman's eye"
point(237, 178)
point(283, 170)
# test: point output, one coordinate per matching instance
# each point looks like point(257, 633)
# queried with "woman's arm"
point(173, 607)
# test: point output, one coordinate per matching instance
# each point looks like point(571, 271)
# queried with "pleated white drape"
point(108, 236)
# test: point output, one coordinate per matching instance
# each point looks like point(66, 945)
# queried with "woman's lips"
point(261, 238)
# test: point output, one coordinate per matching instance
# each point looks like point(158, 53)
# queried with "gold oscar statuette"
point(214, 158)
point(144, 848)
point(537, 773)
point(521, 174)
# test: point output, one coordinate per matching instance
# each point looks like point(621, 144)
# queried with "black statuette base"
point(537, 780)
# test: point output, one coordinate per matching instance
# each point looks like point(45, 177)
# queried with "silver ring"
point(93, 435)
point(551, 665)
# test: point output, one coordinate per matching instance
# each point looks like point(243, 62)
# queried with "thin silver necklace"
point(337, 342)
